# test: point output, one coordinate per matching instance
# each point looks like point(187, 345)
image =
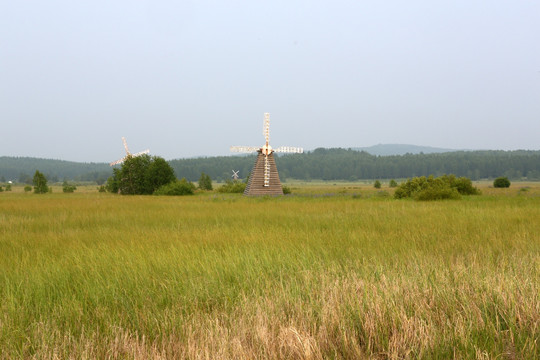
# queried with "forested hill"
point(325, 164)
point(22, 169)
point(343, 164)
point(401, 149)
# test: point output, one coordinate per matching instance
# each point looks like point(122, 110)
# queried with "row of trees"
point(343, 164)
point(325, 164)
point(22, 168)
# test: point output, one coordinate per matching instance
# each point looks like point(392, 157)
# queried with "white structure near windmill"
point(264, 178)
point(128, 153)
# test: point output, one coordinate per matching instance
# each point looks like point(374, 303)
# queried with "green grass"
point(90, 275)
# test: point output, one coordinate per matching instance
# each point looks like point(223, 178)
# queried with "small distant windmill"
point(128, 153)
point(235, 175)
point(264, 178)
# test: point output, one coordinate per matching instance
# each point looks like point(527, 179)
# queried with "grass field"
point(338, 271)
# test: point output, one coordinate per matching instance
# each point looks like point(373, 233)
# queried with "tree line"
point(351, 165)
point(325, 164)
point(22, 169)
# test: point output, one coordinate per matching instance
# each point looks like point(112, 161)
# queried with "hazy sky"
point(190, 78)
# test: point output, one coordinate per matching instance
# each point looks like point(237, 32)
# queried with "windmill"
point(235, 175)
point(264, 178)
point(128, 153)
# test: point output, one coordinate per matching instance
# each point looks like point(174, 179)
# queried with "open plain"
point(334, 271)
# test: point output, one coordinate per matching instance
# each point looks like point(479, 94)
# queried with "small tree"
point(140, 175)
point(8, 187)
point(1, 188)
point(205, 182)
point(393, 183)
point(377, 184)
point(501, 182)
point(113, 182)
point(40, 183)
point(27, 188)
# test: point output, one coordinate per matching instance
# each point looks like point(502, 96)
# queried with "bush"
point(393, 183)
point(286, 190)
point(1, 188)
point(463, 185)
point(501, 182)
point(27, 188)
point(430, 188)
point(232, 187)
point(377, 184)
point(8, 187)
point(101, 189)
point(68, 188)
point(176, 188)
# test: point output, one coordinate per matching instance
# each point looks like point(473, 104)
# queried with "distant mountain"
point(401, 149)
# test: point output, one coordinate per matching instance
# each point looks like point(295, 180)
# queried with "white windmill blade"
point(141, 153)
point(266, 127)
point(125, 145)
point(289, 149)
point(244, 149)
point(118, 161)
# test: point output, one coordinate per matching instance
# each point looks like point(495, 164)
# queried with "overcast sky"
point(191, 78)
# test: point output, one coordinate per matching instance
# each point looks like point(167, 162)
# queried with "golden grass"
point(89, 275)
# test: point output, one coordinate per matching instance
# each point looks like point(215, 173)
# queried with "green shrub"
point(176, 188)
point(286, 190)
point(377, 184)
point(1, 188)
point(232, 187)
point(27, 188)
point(101, 189)
point(501, 182)
point(68, 188)
point(393, 183)
point(431, 188)
point(8, 187)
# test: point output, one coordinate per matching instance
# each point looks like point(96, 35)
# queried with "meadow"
point(337, 271)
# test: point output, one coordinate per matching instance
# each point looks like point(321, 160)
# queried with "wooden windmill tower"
point(128, 153)
point(264, 178)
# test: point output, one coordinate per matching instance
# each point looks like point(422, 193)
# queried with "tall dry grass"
point(220, 277)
